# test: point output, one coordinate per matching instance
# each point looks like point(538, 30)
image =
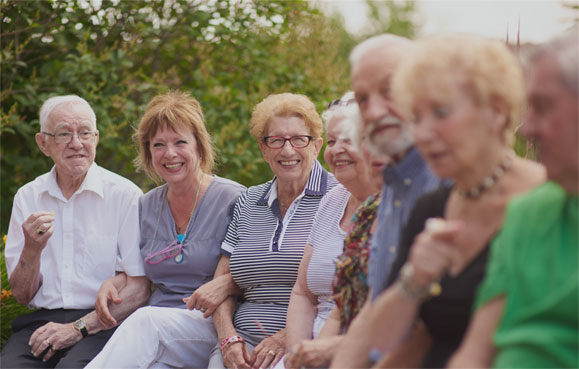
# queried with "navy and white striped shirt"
point(265, 250)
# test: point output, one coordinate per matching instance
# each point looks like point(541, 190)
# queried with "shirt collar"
point(92, 182)
point(315, 186)
point(411, 166)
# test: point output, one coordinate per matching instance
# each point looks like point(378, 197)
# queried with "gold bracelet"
point(414, 291)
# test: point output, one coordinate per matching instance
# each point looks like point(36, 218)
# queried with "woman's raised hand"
point(434, 252)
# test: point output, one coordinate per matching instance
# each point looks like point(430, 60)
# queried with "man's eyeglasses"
point(338, 102)
point(172, 251)
point(66, 137)
point(277, 142)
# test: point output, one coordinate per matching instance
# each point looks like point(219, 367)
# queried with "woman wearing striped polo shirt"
point(265, 241)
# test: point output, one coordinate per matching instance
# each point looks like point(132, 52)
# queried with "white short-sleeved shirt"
point(96, 233)
point(327, 241)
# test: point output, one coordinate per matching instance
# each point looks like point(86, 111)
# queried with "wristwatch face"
point(81, 327)
point(79, 324)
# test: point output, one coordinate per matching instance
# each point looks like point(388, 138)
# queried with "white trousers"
point(159, 337)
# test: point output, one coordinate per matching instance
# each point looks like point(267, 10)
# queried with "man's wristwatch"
point(81, 327)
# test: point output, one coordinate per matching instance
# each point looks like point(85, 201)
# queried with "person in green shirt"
point(526, 312)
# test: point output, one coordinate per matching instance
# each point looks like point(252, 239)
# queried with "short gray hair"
point(375, 42)
point(565, 50)
point(55, 101)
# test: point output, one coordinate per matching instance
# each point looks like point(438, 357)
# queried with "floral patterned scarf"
point(350, 285)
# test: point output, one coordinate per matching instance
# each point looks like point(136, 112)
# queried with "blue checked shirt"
point(403, 185)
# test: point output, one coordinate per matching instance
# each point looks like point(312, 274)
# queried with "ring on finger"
point(48, 342)
point(52, 349)
point(40, 231)
point(271, 352)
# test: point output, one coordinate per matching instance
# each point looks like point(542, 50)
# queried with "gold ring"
point(271, 352)
point(435, 289)
point(48, 342)
point(40, 231)
point(52, 349)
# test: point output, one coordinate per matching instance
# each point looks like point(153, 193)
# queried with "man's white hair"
point(55, 101)
point(375, 42)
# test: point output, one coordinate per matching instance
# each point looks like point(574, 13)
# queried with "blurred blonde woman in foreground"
point(464, 105)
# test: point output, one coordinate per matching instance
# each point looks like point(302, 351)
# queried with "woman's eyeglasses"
point(172, 251)
point(277, 142)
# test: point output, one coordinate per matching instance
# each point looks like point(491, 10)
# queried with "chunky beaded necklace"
point(488, 181)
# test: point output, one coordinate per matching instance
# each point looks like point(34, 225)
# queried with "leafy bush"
point(118, 55)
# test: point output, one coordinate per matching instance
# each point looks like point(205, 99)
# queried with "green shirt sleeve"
point(497, 272)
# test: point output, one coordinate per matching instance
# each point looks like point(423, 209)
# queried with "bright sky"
point(540, 19)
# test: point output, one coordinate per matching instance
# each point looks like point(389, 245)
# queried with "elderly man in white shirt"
point(70, 230)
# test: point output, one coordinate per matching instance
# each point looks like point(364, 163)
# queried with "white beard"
point(387, 143)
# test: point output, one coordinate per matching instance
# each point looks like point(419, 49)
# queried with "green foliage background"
point(119, 54)
point(228, 54)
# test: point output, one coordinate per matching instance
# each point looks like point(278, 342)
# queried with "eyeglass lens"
point(62, 137)
point(276, 142)
point(338, 102)
point(333, 103)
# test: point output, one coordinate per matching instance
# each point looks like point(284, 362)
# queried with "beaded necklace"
point(488, 181)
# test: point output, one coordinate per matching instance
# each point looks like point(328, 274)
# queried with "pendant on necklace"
point(180, 238)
